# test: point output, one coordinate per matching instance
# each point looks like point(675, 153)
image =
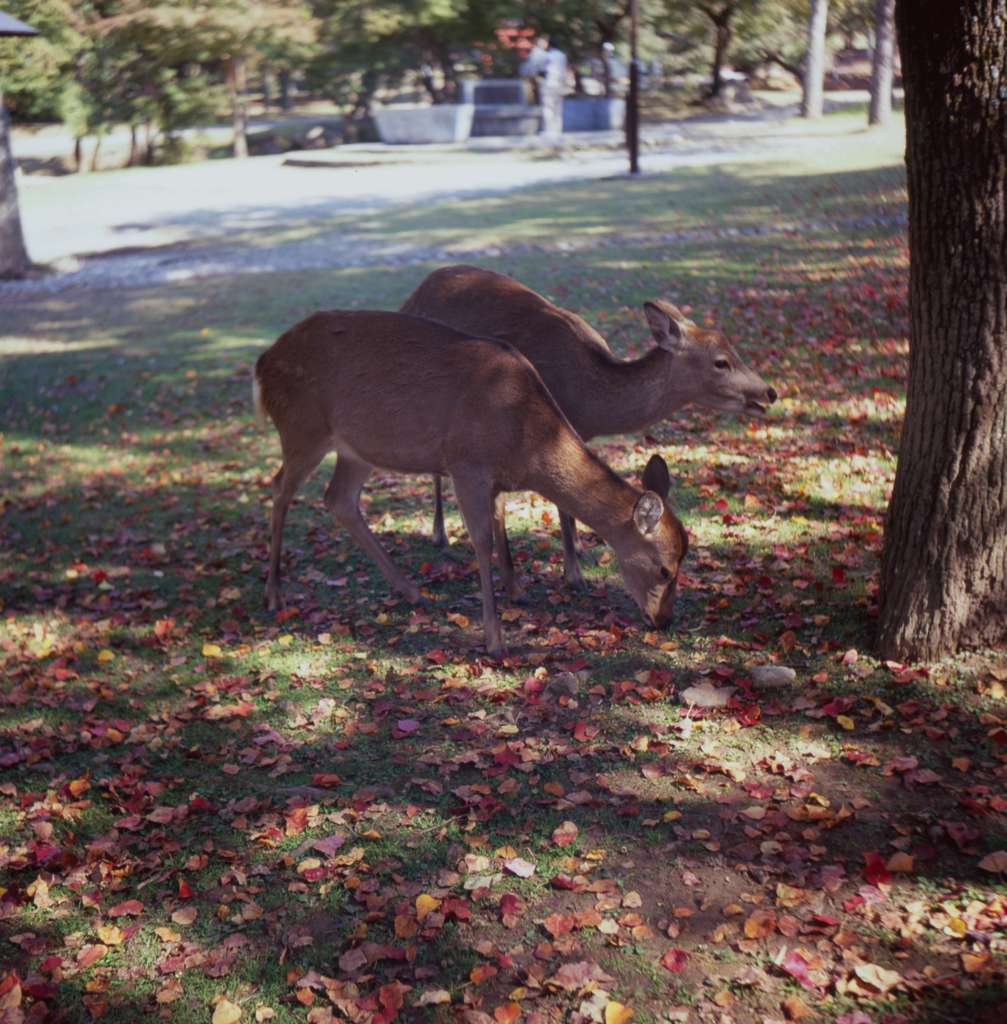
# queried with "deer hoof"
point(573, 577)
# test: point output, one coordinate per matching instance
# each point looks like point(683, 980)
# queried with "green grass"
point(142, 676)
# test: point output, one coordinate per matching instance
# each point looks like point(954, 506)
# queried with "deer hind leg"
point(342, 498)
point(475, 499)
point(571, 564)
point(510, 581)
point(296, 468)
point(438, 535)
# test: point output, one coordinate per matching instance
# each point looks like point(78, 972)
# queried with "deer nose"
point(771, 395)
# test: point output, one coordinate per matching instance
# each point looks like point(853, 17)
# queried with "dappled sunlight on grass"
point(311, 808)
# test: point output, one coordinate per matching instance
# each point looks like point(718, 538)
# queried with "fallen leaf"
point(995, 863)
point(616, 1013)
point(706, 695)
point(226, 1013)
point(520, 867)
point(425, 905)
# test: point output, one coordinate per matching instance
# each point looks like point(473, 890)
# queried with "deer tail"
point(260, 408)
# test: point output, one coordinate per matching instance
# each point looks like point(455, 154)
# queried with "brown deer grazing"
point(599, 393)
point(414, 396)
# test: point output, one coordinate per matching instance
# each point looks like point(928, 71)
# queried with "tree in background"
point(14, 260)
point(944, 566)
point(225, 32)
point(883, 63)
point(813, 84)
point(35, 70)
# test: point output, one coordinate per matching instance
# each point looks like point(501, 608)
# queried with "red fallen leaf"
point(438, 657)
point(184, 890)
point(285, 614)
point(126, 907)
point(558, 924)
point(329, 844)
point(352, 960)
point(391, 996)
point(564, 834)
point(481, 973)
point(90, 954)
point(750, 715)
point(575, 976)
point(583, 732)
point(798, 968)
point(511, 908)
point(675, 960)
point(875, 868)
point(564, 882)
point(10, 992)
point(200, 803)
point(326, 780)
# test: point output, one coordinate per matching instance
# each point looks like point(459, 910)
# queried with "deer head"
point(715, 374)
point(654, 549)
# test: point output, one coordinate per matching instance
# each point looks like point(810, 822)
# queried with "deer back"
point(408, 394)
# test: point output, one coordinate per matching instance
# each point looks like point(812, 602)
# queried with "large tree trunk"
point(814, 65)
point(883, 65)
point(14, 261)
point(239, 110)
point(944, 568)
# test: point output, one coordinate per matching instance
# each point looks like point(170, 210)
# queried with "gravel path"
point(147, 226)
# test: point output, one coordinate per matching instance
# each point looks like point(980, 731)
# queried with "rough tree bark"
point(883, 64)
point(14, 261)
point(944, 566)
point(814, 65)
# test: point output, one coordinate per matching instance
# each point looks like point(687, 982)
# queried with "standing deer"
point(599, 393)
point(414, 396)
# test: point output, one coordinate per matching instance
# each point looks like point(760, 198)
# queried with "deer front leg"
point(438, 535)
point(342, 498)
point(475, 499)
point(571, 564)
point(510, 581)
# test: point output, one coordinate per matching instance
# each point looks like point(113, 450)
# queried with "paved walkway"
point(150, 225)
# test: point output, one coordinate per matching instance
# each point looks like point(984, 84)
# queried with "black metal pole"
point(633, 104)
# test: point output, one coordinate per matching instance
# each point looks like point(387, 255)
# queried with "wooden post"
point(633, 103)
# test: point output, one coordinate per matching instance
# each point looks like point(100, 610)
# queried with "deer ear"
point(667, 325)
point(656, 476)
point(648, 512)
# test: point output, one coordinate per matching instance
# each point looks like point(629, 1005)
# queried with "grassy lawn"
point(346, 811)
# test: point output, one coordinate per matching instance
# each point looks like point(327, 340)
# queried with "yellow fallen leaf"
point(110, 934)
point(425, 904)
point(846, 722)
point(168, 934)
point(226, 1013)
point(616, 1013)
point(106, 655)
point(212, 651)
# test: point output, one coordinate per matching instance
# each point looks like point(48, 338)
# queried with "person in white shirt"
point(548, 64)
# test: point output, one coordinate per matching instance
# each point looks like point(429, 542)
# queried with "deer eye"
point(665, 575)
point(722, 364)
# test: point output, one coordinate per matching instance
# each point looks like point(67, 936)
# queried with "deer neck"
point(577, 481)
point(627, 396)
